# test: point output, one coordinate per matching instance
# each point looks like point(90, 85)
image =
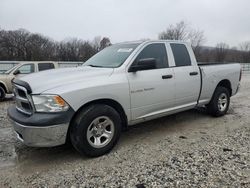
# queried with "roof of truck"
point(149, 40)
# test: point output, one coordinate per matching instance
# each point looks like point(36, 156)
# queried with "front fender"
point(78, 99)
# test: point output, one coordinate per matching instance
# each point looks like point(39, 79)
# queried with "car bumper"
point(41, 129)
point(49, 136)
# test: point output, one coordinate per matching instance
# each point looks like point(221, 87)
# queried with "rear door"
point(187, 76)
point(152, 91)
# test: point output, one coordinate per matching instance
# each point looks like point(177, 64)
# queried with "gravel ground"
point(189, 149)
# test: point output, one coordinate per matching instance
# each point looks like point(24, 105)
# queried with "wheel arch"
point(110, 102)
point(3, 86)
point(227, 84)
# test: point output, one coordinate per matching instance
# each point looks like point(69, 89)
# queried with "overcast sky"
point(123, 20)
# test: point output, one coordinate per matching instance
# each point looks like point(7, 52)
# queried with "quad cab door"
point(152, 91)
point(187, 76)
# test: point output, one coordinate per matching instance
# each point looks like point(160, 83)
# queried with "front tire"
point(95, 130)
point(2, 94)
point(219, 103)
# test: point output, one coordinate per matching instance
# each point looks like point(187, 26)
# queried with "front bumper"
point(49, 136)
point(41, 129)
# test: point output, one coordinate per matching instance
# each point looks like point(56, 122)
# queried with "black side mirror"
point(16, 72)
point(143, 64)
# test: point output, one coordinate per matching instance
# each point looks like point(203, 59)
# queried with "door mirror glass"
point(143, 64)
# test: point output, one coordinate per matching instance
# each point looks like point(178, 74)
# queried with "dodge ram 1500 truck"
point(122, 85)
point(22, 69)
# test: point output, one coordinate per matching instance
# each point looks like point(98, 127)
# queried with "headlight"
point(49, 103)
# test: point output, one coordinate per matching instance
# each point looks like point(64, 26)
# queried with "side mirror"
point(16, 72)
point(143, 64)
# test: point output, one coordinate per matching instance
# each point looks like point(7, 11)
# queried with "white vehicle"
point(22, 69)
point(122, 85)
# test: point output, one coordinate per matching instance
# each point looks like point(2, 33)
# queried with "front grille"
point(23, 99)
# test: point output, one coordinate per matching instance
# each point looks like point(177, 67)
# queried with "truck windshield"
point(112, 56)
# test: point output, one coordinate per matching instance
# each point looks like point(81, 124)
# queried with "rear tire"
point(219, 103)
point(2, 94)
point(95, 130)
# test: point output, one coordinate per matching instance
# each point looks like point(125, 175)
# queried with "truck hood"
point(50, 79)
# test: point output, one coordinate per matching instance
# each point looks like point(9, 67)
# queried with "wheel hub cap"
point(100, 132)
point(222, 102)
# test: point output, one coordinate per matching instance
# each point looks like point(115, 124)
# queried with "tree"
point(196, 38)
point(183, 31)
point(100, 43)
point(245, 52)
point(75, 50)
point(87, 51)
point(14, 43)
point(96, 42)
point(21, 45)
point(179, 31)
point(104, 43)
point(221, 52)
point(40, 48)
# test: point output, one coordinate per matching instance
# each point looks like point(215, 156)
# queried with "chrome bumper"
point(49, 136)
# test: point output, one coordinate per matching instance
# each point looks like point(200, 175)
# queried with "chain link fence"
point(245, 67)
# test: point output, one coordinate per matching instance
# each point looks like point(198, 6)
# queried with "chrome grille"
point(23, 99)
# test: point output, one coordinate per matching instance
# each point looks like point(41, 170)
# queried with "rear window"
point(45, 66)
point(181, 55)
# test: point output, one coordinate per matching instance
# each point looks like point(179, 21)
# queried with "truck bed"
point(213, 73)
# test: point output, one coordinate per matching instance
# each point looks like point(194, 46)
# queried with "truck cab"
point(173, 83)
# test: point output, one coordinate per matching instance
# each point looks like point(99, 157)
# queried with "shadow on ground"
point(66, 153)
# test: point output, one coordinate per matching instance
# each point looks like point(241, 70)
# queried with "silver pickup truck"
point(122, 85)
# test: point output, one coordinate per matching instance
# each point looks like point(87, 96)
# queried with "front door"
point(152, 91)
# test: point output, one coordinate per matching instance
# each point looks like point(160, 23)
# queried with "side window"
point(45, 66)
point(26, 69)
point(156, 51)
point(181, 55)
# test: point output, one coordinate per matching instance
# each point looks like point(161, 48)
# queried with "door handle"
point(193, 73)
point(167, 76)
